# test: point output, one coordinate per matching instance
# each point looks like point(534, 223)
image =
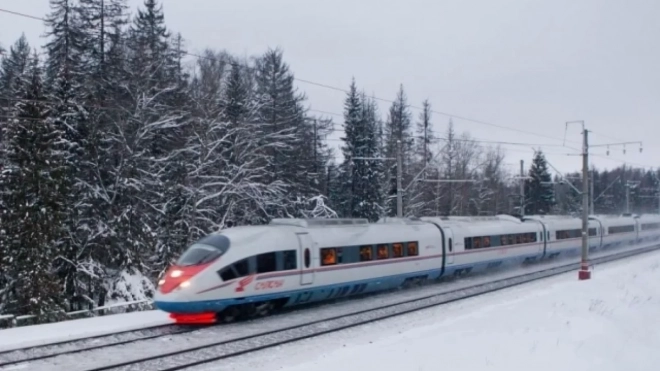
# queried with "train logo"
point(244, 282)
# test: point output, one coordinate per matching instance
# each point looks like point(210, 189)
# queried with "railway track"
point(50, 350)
point(219, 350)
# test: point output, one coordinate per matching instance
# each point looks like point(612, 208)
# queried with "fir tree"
point(398, 128)
point(287, 127)
point(361, 171)
point(34, 208)
point(66, 45)
point(370, 178)
point(353, 123)
point(148, 41)
point(422, 197)
point(445, 200)
point(65, 76)
point(12, 68)
point(101, 22)
point(539, 194)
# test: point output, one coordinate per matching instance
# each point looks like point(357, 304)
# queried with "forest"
point(116, 155)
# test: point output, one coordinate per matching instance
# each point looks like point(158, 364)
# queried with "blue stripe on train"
point(327, 292)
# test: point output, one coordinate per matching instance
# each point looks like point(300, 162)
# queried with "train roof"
point(558, 221)
point(496, 219)
point(644, 217)
point(318, 222)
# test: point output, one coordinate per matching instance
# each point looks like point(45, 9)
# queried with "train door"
point(600, 233)
point(306, 268)
point(449, 243)
point(544, 240)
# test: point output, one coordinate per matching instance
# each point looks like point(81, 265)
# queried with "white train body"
point(292, 261)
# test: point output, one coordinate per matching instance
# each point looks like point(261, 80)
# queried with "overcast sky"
point(529, 65)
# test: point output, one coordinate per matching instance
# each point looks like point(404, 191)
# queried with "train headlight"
point(161, 282)
point(185, 284)
point(176, 273)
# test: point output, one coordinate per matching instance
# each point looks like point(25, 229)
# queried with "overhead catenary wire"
point(338, 89)
point(330, 87)
point(469, 140)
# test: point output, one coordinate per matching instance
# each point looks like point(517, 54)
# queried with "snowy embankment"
point(27, 336)
point(611, 322)
point(124, 287)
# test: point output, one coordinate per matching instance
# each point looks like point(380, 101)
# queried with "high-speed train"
point(252, 270)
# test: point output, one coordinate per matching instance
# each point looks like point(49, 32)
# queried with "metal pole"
point(627, 198)
point(591, 193)
point(584, 273)
point(399, 175)
point(522, 188)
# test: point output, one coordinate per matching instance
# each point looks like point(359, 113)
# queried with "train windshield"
point(204, 251)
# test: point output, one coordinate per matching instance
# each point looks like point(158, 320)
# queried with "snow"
point(129, 286)
point(607, 323)
point(20, 337)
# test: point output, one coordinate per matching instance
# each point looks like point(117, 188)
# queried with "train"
point(255, 270)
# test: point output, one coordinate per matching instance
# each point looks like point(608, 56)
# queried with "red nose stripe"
point(194, 319)
point(186, 273)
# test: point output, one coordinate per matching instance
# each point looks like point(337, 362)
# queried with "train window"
point(383, 252)
point(621, 229)
point(532, 237)
point(592, 232)
point(308, 258)
point(328, 256)
point(476, 242)
point(397, 250)
point(468, 243)
point(547, 237)
point(648, 226)
point(290, 259)
point(266, 262)
point(366, 253)
point(451, 247)
point(486, 241)
point(412, 249)
point(504, 240)
point(227, 274)
point(242, 268)
point(198, 254)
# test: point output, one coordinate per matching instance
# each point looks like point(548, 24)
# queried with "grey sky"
point(525, 64)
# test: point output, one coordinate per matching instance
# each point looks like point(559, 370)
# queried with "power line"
point(406, 136)
point(330, 87)
point(22, 15)
point(326, 86)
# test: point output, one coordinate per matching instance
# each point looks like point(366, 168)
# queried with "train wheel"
point(230, 314)
point(263, 309)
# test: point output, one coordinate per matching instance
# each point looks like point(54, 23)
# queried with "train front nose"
point(176, 290)
point(176, 295)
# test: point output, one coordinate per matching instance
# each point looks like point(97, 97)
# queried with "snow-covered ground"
point(609, 323)
point(20, 337)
